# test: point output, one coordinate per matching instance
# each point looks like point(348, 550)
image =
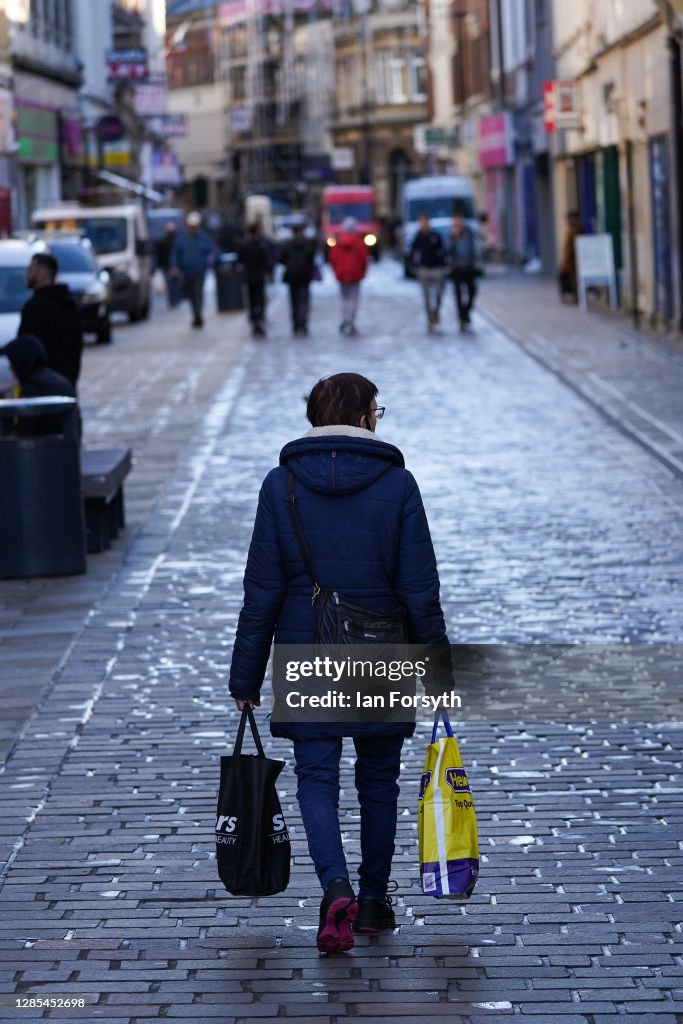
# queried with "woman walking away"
point(361, 513)
point(349, 260)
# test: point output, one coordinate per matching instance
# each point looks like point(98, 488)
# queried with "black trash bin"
point(42, 531)
point(229, 283)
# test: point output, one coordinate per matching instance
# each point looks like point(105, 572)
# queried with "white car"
point(15, 256)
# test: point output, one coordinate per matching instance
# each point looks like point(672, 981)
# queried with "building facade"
point(617, 167)
point(381, 95)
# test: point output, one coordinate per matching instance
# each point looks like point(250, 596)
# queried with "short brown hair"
point(342, 398)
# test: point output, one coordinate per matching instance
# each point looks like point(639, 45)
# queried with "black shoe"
point(343, 328)
point(375, 916)
point(338, 911)
point(198, 322)
point(258, 331)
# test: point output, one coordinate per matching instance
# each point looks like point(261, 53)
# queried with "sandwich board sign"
point(595, 265)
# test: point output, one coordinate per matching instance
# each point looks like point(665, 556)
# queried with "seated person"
point(28, 360)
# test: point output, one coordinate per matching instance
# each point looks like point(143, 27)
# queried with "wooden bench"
point(103, 471)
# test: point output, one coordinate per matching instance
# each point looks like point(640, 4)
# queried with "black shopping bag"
point(252, 841)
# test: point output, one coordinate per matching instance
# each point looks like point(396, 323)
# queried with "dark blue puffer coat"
point(368, 536)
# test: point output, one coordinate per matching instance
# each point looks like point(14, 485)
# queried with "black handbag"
point(252, 842)
point(341, 622)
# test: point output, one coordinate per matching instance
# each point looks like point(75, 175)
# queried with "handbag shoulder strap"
point(299, 533)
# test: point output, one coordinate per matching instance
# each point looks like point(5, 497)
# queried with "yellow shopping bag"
point(446, 821)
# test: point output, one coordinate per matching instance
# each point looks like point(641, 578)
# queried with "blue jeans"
point(378, 763)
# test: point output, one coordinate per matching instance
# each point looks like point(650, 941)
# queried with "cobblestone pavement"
point(549, 525)
point(633, 377)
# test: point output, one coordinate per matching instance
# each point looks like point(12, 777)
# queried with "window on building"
point(417, 77)
point(380, 79)
point(396, 80)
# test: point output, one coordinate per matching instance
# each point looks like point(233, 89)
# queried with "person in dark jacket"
point(257, 258)
point(349, 260)
point(428, 259)
point(298, 258)
point(367, 532)
point(28, 359)
point(462, 255)
point(192, 254)
point(52, 315)
point(164, 251)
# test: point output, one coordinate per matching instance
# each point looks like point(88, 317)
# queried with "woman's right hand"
point(241, 704)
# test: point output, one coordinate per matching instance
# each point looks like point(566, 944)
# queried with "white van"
point(441, 197)
point(119, 238)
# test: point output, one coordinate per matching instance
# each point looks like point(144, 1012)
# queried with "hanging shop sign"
point(172, 126)
point(116, 154)
point(166, 169)
point(561, 105)
point(151, 96)
point(496, 141)
point(110, 128)
point(127, 65)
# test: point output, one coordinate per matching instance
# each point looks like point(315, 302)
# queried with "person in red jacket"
point(349, 260)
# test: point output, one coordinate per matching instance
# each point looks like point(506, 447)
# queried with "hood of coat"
point(348, 240)
point(26, 354)
point(339, 459)
point(59, 293)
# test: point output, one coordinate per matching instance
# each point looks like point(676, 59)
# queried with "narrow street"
point(551, 526)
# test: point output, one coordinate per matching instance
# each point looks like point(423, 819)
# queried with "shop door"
point(611, 202)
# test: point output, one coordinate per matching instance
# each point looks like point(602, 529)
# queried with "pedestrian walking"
point(53, 316)
point(364, 521)
point(28, 360)
point(164, 250)
point(256, 256)
point(462, 257)
point(349, 261)
point(567, 274)
point(428, 258)
point(298, 258)
point(192, 254)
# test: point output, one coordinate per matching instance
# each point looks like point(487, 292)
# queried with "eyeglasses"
point(379, 411)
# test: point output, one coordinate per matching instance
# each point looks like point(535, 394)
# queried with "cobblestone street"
point(552, 523)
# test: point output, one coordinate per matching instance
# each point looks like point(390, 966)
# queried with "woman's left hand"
point(241, 704)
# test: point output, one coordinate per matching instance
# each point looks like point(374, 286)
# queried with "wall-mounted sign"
point(127, 65)
point(561, 105)
point(37, 132)
point(343, 158)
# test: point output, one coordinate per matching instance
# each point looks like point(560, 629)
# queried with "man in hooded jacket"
point(52, 315)
point(28, 360)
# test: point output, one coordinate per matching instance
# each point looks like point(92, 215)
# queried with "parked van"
point(120, 241)
point(357, 201)
point(441, 197)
